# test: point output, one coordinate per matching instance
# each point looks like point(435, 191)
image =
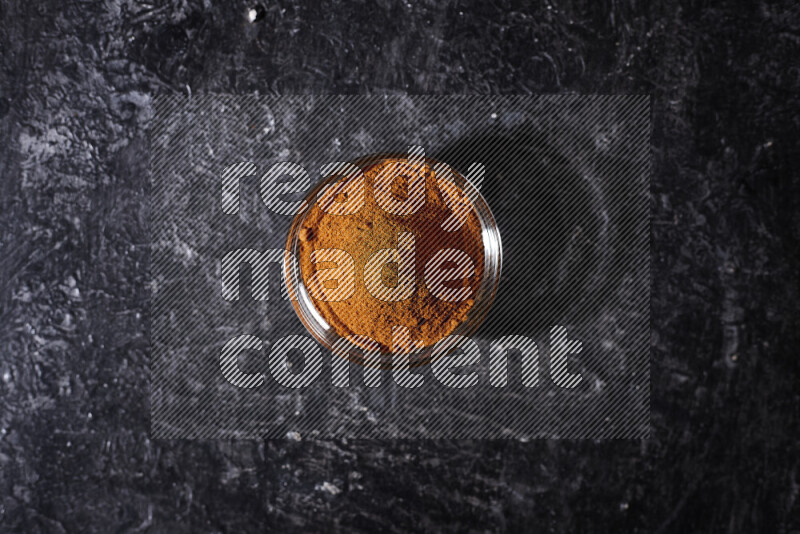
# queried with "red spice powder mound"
point(371, 229)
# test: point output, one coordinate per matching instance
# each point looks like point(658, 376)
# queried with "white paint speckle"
point(328, 488)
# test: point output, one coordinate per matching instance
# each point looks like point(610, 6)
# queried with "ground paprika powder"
point(372, 229)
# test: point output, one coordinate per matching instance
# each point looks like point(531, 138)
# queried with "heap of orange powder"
point(372, 229)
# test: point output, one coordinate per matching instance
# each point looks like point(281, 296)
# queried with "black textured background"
point(75, 87)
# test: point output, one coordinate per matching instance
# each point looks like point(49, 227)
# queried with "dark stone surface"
point(76, 80)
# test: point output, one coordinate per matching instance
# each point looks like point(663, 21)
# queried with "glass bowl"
point(325, 334)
